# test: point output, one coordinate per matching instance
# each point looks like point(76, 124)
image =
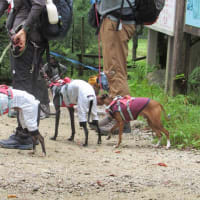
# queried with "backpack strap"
point(119, 18)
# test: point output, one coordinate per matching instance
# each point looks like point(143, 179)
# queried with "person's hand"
point(20, 39)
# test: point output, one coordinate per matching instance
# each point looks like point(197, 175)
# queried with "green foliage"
point(194, 86)
point(4, 66)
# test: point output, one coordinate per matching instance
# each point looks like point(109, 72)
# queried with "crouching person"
point(28, 109)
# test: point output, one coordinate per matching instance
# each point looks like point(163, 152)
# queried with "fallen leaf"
point(112, 175)
point(117, 151)
point(12, 196)
point(162, 164)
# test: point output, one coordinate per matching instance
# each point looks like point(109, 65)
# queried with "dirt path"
point(72, 172)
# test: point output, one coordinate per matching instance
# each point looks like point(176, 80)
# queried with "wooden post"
point(178, 60)
point(168, 74)
point(152, 48)
point(82, 46)
point(73, 36)
point(135, 46)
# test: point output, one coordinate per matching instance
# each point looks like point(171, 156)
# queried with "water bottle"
point(104, 81)
point(52, 12)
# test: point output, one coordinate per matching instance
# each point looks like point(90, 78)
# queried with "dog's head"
point(104, 99)
point(51, 69)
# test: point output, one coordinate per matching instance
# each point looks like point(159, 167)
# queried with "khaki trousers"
point(115, 52)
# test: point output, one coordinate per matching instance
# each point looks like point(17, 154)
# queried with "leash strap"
point(10, 96)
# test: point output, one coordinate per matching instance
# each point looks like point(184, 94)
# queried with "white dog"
point(80, 93)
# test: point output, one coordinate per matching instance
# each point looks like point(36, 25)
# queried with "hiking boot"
point(19, 140)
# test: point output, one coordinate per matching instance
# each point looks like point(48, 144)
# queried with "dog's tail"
point(46, 112)
point(90, 109)
point(165, 114)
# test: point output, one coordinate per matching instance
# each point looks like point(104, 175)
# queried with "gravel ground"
point(136, 170)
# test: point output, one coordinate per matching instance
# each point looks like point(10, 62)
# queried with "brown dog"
point(148, 108)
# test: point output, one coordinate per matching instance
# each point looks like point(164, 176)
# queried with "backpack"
point(7, 91)
point(143, 12)
point(59, 30)
point(147, 11)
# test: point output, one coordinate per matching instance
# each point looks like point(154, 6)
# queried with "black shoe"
point(19, 140)
point(17, 143)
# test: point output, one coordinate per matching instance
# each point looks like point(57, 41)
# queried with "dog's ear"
point(104, 96)
point(100, 100)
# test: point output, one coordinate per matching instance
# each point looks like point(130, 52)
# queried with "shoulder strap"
point(118, 21)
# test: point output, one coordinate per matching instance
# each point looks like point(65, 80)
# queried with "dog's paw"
point(116, 146)
point(99, 142)
point(43, 154)
point(71, 139)
point(52, 138)
point(85, 145)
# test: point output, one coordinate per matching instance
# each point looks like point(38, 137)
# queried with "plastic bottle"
point(52, 12)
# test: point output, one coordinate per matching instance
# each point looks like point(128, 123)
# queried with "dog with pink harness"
point(129, 108)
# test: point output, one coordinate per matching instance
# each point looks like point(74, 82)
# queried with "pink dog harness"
point(129, 107)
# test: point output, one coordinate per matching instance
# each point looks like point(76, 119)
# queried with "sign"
point(192, 16)
point(166, 20)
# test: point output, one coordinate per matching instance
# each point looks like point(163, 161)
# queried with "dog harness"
point(128, 107)
point(56, 87)
point(4, 89)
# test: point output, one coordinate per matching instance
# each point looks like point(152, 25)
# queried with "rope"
point(73, 61)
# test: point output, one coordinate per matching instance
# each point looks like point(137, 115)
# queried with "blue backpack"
point(59, 30)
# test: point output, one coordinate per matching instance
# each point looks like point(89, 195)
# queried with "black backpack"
point(59, 30)
point(147, 11)
point(143, 12)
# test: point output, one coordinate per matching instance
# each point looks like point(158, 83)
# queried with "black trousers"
point(25, 73)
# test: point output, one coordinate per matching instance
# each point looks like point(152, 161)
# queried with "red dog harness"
point(129, 107)
point(4, 89)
